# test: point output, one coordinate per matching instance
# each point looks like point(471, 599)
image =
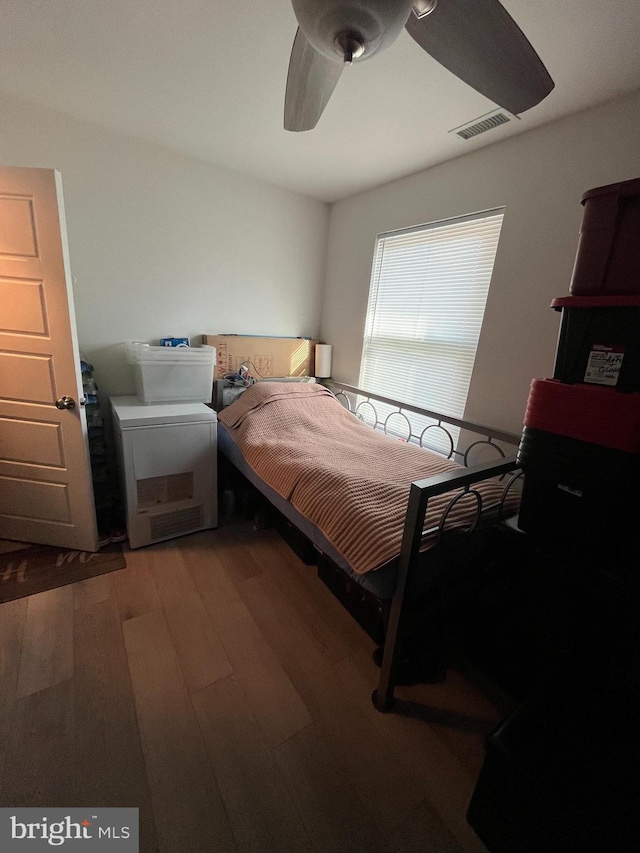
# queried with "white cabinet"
point(167, 457)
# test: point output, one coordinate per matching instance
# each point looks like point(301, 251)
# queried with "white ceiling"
point(207, 78)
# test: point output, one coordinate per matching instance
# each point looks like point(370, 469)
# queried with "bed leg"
point(383, 707)
point(382, 698)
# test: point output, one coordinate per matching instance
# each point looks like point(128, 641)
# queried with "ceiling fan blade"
point(479, 42)
point(311, 80)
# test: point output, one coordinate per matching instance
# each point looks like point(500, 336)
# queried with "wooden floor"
point(217, 685)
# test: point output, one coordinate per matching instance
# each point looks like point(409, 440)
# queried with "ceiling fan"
point(477, 40)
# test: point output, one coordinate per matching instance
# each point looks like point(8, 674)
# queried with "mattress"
point(347, 481)
point(380, 583)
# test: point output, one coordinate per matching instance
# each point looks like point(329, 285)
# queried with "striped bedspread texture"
point(348, 479)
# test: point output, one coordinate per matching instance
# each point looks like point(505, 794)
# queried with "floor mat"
point(26, 569)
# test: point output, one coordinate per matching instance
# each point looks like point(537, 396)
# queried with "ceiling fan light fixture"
point(374, 23)
point(422, 8)
point(350, 46)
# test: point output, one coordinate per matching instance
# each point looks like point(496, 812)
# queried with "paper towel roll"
point(323, 361)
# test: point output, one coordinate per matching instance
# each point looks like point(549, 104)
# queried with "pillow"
point(261, 393)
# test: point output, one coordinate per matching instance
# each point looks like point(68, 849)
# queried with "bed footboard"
point(421, 492)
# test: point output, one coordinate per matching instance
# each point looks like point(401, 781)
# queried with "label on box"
point(576, 492)
point(263, 365)
point(603, 366)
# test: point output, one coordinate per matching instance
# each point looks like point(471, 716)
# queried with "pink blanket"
point(349, 480)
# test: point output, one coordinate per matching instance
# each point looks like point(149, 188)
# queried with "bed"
point(378, 507)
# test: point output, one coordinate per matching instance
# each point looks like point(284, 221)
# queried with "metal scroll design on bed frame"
point(491, 435)
point(460, 481)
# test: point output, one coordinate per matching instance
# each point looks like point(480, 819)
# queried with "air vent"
point(166, 524)
point(482, 124)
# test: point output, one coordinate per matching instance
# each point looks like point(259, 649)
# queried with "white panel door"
point(46, 495)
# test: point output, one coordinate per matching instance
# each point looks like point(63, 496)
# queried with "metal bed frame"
point(420, 493)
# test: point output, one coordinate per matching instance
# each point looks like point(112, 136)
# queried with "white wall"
point(539, 177)
point(162, 244)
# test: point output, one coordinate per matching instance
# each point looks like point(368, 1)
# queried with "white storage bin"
point(168, 374)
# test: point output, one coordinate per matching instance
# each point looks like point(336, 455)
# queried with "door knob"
point(65, 403)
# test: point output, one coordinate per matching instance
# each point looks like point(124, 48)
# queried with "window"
point(427, 297)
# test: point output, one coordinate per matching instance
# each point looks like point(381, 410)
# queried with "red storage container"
point(600, 416)
point(608, 259)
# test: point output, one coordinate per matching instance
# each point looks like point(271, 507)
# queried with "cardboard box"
point(264, 356)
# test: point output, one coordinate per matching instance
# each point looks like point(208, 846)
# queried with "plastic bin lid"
point(624, 188)
point(132, 412)
point(590, 413)
point(620, 301)
point(191, 359)
point(138, 353)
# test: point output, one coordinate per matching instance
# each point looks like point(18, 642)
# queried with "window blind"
point(427, 297)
